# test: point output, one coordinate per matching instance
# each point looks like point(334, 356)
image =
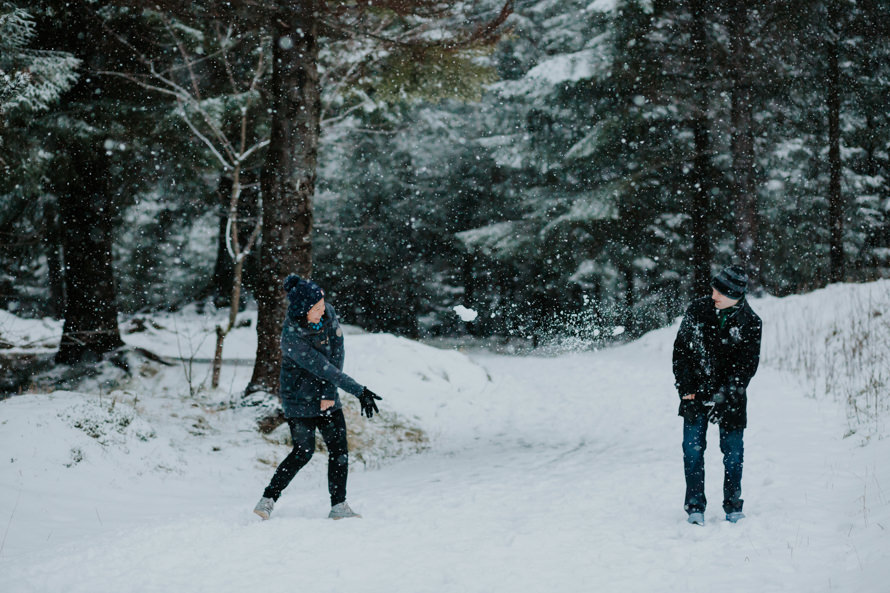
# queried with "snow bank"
point(538, 473)
point(28, 335)
point(837, 341)
point(435, 390)
point(66, 429)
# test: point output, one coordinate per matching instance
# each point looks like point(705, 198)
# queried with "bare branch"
point(138, 81)
point(244, 155)
point(185, 56)
point(345, 114)
point(229, 249)
point(258, 74)
point(222, 40)
point(226, 165)
point(251, 241)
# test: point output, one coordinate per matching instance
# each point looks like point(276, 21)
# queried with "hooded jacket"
point(712, 360)
point(312, 366)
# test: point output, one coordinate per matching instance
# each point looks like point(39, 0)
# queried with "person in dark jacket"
point(311, 372)
point(716, 353)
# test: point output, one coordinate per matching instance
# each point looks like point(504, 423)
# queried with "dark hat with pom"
point(731, 282)
point(302, 294)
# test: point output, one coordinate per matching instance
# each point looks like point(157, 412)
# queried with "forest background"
point(562, 167)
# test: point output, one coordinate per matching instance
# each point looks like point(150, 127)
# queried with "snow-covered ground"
point(559, 473)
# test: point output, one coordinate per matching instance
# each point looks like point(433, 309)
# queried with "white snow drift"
point(538, 474)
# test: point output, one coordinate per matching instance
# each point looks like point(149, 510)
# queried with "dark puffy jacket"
point(709, 359)
point(312, 366)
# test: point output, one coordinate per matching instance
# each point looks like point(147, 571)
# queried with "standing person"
point(311, 371)
point(716, 354)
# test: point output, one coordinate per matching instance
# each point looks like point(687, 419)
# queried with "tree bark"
point(288, 177)
point(742, 139)
point(85, 208)
point(629, 298)
point(835, 198)
point(701, 173)
point(221, 283)
point(52, 241)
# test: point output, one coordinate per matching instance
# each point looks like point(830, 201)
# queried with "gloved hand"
point(718, 408)
point(367, 398)
point(715, 414)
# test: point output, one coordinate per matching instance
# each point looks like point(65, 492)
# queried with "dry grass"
point(373, 442)
point(847, 358)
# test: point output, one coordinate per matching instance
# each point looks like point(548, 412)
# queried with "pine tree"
point(289, 176)
point(823, 196)
point(30, 79)
point(408, 37)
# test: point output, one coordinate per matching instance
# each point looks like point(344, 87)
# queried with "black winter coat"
point(708, 359)
point(312, 366)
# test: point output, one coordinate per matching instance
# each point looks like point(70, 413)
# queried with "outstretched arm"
point(301, 353)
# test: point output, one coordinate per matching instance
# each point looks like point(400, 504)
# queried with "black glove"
point(367, 398)
point(715, 414)
point(718, 409)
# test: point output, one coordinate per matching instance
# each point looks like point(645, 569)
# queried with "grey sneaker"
point(342, 511)
point(264, 507)
point(696, 518)
point(735, 517)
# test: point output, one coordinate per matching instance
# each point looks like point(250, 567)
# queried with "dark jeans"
point(333, 430)
point(694, 444)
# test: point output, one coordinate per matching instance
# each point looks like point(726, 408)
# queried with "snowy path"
point(561, 474)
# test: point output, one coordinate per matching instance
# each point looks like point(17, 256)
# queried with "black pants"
point(302, 430)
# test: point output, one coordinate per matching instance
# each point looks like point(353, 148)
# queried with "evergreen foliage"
point(579, 178)
point(30, 79)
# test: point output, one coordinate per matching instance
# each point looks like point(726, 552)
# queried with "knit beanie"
point(731, 282)
point(302, 294)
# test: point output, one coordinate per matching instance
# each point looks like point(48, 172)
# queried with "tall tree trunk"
point(701, 173)
point(629, 298)
point(221, 283)
point(742, 141)
point(288, 178)
point(701, 230)
point(85, 208)
point(52, 241)
point(835, 198)
point(867, 268)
